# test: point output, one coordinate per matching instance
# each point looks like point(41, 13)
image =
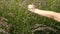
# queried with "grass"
point(17, 14)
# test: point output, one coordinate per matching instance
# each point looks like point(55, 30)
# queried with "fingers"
point(31, 7)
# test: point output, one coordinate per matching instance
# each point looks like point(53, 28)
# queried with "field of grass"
point(20, 21)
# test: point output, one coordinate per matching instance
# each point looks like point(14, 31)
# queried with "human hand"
point(31, 7)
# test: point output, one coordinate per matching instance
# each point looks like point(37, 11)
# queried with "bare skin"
point(49, 14)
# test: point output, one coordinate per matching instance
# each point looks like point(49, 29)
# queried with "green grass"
point(23, 20)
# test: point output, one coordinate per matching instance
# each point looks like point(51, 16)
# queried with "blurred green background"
point(19, 20)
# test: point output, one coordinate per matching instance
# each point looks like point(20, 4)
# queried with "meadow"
point(18, 20)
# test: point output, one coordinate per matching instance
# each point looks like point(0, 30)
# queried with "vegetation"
point(19, 20)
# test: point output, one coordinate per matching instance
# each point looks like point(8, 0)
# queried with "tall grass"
point(17, 14)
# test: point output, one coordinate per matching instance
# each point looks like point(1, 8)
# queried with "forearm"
point(44, 13)
point(49, 14)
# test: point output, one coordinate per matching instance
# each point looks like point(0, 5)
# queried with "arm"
point(44, 13)
point(49, 14)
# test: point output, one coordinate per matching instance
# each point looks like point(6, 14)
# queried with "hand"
point(31, 7)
